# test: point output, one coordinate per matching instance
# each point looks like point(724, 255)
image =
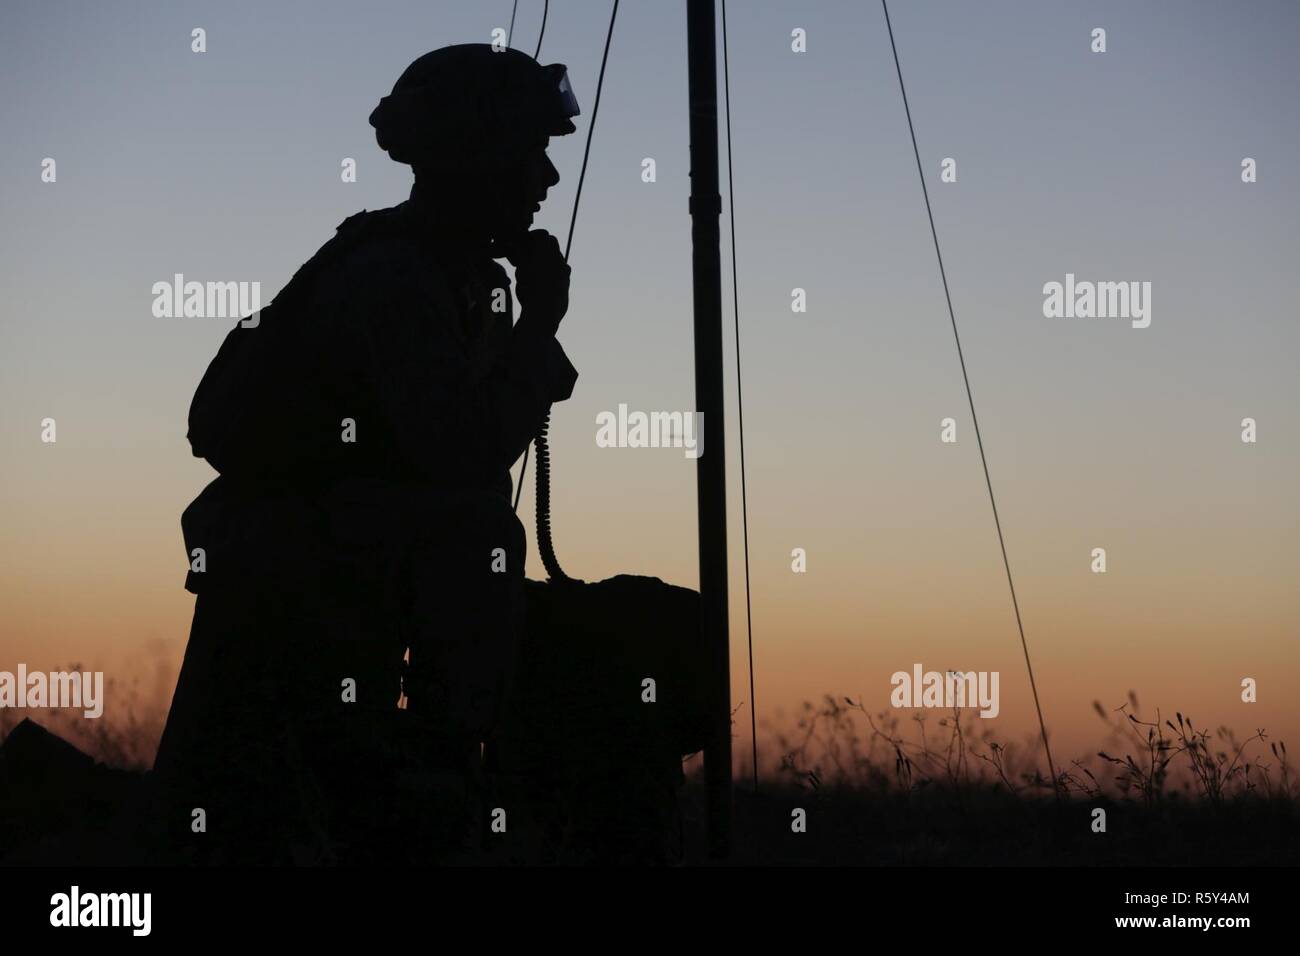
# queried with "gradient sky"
point(1115, 166)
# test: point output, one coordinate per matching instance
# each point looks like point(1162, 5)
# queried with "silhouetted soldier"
point(363, 430)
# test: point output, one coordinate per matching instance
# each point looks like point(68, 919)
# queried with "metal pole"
point(711, 475)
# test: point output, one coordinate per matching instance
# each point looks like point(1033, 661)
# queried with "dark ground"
point(848, 827)
point(64, 809)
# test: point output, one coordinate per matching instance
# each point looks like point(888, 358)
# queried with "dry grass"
point(927, 788)
point(125, 737)
point(840, 743)
point(902, 788)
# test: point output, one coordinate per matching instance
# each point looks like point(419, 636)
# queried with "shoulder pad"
point(367, 224)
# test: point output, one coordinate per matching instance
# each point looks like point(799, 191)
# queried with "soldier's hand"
point(541, 279)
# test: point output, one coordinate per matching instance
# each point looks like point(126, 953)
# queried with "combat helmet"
point(472, 99)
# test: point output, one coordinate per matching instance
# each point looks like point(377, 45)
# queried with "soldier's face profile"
point(527, 177)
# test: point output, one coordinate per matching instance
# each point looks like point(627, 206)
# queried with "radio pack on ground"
point(609, 696)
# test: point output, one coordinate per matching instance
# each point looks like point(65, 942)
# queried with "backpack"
point(256, 413)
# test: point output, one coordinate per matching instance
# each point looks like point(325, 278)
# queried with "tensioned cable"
point(542, 32)
point(1042, 726)
point(523, 469)
point(600, 84)
point(511, 32)
point(582, 176)
point(740, 398)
